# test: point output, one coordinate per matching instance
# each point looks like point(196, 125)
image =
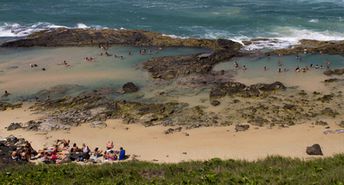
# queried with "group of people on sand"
point(63, 152)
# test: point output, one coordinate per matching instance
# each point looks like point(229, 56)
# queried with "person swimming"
point(297, 69)
point(6, 93)
point(108, 54)
point(236, 65)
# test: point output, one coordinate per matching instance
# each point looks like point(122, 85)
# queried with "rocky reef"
point(331, 72)
point(6, 106)
point(259, 105)
point(168, 68)
point(241, 90)
point(87, 37)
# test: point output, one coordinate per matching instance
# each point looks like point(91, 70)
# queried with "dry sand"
point(151, 144)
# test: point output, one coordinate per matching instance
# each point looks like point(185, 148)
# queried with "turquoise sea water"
point(287, 20)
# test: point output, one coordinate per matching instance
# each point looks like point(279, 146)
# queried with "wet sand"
point(151, 144)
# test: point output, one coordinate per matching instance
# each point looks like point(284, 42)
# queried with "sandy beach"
point(152, 144)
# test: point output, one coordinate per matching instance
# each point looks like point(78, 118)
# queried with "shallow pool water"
point(17, 77)
point(284, 69)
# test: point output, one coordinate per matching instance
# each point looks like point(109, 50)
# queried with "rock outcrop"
point(241, 127)
point(130, 87)
point(171, 67)
point(331, 72)
point(84, 37)
point(5, 106)
point(314, 150)
point(239, 89)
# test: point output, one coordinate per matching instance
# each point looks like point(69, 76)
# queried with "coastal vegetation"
point(272, 170)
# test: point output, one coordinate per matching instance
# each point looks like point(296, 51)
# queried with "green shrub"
point(272, 170)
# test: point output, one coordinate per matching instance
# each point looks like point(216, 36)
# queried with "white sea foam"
point(81, 26)
point(280, 37)
point(175, 36)
point(284, 37)
point(314, 20)
point(17, 30)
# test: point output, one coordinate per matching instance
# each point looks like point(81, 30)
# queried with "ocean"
point(285, 20)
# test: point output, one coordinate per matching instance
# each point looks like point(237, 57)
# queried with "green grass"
point(272, 170)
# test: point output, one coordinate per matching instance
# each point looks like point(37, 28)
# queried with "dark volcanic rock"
point(173, 130)
point(331, 72)
point(237, 88)
point(170, 67)
point(341, 124)
point(215, 102)
point(4, 106)
point(322, 123)
point(83, 37)
point(130, 87)
point(314, 150)
point(332, 80)
point(240, 127)
point(14, 126)
point(329, 112)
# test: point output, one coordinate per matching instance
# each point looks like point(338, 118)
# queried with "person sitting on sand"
point(121, 154)
point(74, 148)
point(86, 152)
point(96, 154)
point(54, 157)
point(24, 156)
point(109, 145)
point(111, 155)
point(14, 155)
